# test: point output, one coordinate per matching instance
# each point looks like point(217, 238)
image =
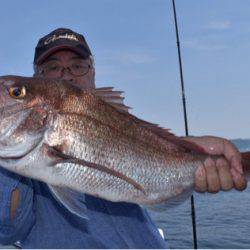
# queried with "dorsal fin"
point(114, 98)
point(167, 135)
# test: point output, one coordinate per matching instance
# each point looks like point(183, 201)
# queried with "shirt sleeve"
point(18, 228)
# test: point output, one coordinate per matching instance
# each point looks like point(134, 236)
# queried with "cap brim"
point(60, 47)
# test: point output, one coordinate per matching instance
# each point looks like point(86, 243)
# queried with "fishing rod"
point(185, 115)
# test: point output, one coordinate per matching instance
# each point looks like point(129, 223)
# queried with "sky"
point(134, 47)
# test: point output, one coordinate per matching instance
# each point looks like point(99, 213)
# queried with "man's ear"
point(36, 71)
point(93, 75)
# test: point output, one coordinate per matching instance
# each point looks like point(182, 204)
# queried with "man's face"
point(68, 65)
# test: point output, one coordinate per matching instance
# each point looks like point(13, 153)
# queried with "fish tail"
point(246, 164)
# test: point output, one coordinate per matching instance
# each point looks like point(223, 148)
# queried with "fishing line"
point(185, 115)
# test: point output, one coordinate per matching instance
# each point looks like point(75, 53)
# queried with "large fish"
point(86, 141)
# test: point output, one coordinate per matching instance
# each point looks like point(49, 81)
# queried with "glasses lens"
point(52, 68)
point(79, 69)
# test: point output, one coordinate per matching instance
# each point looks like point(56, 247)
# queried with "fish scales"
point(96, 148)
point(95, 180)
point(91, 106)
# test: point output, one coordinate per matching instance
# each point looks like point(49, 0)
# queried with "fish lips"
point(19, 136)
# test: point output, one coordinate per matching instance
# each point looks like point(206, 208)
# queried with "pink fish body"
point(87, 141)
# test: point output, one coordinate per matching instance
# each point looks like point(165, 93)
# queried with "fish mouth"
point(19, 157)
point(10, 128)
point(20, 150)
point(23, 142)
point(7, 111)
point(13, 110)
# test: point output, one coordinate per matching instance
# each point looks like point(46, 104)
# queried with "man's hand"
point(222, 174)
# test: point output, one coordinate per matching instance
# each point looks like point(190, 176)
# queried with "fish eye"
point(17, 92)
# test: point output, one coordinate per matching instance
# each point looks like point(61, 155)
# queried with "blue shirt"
point(41, 222)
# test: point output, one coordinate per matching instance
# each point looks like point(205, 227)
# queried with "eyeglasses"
point(76, 69)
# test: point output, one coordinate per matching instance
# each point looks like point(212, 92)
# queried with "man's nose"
point(66, 75)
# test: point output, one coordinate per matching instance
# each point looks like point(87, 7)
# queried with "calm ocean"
point(223, 219)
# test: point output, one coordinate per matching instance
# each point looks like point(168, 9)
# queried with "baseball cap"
point(60, 39)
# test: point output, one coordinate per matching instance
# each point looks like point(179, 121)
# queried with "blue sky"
point(134, 47)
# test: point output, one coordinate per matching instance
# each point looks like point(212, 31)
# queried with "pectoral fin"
point(72, 200)
point(63, 158)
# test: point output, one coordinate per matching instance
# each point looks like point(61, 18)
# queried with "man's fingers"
point(232, 154)
point(234, 157)
point(213, 181)
point(226, 173)
point(219, 146)
point(226, 180)
point(200, 180)
point(239, 180)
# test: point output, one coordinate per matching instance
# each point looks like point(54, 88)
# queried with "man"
point(29, 213)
